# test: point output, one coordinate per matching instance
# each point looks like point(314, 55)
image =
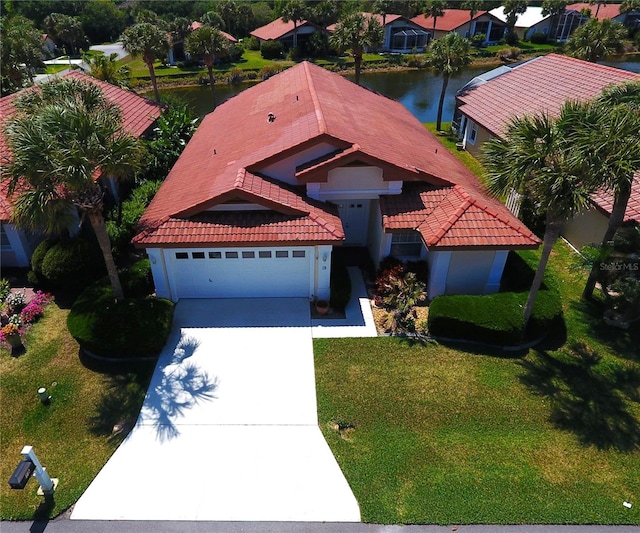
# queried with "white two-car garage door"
point(241, 272)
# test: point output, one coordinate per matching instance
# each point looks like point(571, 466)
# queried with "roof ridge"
point(322, 124)
point(455, 216)
point(238, 183)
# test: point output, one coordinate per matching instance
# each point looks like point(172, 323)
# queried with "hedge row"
point(495, 318)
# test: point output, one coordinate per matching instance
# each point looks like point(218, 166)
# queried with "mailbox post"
point(47, 485)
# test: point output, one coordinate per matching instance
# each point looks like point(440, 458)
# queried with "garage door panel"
point(242, 273)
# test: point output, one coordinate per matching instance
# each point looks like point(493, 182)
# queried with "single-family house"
point(139, 115)
point(460, 22)
point(599, 11)
point(279, 30)
point(176, 50)
point(486, 105)
point(278, 176)
point(532, 21)
point(400, 34)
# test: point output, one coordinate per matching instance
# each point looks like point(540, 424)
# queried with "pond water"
point(417, 90)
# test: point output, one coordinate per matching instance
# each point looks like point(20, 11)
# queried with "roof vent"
point(271, 117)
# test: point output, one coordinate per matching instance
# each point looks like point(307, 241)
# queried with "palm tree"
point(356, 32)
point(208, 43)
point(595, 40)
point(383, 8)
point(106, 68)
point(81, 133)
point(448, 56)
point(611, 144)
point(294, 11)
point(148, 41)
point(473, 6)
point(435, 9)
point(511, 9)
point(536, 158)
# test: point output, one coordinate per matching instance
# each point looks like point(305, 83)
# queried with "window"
point(215, 255)
point(473, 133)
point(406, 244)
point(198, 255)
point(231, 255)
point(282, 253)
point(264, 254)
point(248, 255)
point(298, 253)
point(182, 255)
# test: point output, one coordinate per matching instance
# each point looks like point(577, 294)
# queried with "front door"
point(354, 215)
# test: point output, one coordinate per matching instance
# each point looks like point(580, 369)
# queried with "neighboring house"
point(486, 105)
point(401, 35)
point(48, 47)
point(139, 115)
point(281, 31)
point(326, 163)
point(458, 21)
point(630, 19)
point(176, 50)
point(558, 27)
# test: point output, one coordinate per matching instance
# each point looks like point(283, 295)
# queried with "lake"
point(417, 90)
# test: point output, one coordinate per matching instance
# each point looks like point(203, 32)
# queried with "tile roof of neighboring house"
point(542, 84)
point(604, 201)
point(388, 19)
point(276, 29)
point(195, 25)
point(452, 19)
point(531, 17)
point(138, 115)
point(450, 217)
point(606, 11)
point(311, 107)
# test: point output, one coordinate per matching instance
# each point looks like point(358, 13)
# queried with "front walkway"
point(228, 430)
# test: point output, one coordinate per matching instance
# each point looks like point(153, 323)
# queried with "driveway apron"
point(229, 428)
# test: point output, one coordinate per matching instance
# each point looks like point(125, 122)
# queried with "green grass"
point(54, 69)
point(449, 142)
point(71, 436)
point(436, 435)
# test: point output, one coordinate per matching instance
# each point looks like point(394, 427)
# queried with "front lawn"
point(71, 436)
point(429, 434)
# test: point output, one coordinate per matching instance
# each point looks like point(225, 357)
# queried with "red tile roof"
point(604, 200)
point(606, 11)
point(450, 218)
point(452, 19)
point(311, 106)
point(138, 115)
point(543, 84)
point(195, 25)
point(540, 85)
point(389, 18)
point(276, 29)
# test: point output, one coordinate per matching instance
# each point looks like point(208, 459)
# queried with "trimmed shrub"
point(35, 274)
point(72, 263)
point(272, 50)
point(137, 280)
point(252, 43)
point(134, 327)
point(538, 38)
point(495, 318)
point(340, 286)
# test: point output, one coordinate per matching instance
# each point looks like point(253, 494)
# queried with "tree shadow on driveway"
point(181, 385)
point(589, 397)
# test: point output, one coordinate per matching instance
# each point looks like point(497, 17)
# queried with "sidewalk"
point(91, 526)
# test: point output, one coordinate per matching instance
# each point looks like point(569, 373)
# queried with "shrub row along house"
point(139, 116)
point(486, 105)
point(279, 175)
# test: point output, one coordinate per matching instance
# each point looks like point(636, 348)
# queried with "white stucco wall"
point(353, 182)
point(469, 272)
point(20, 250)
point(285, 170)
point(322, 289)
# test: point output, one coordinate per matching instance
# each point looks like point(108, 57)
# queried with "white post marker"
point(47, 484)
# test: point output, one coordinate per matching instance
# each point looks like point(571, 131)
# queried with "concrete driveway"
point(228, 429)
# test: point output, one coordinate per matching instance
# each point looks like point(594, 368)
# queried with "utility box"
point(21, 474)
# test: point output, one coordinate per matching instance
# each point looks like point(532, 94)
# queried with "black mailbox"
point(21, 474)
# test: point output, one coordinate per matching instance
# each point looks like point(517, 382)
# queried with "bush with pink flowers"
point(35, 308)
